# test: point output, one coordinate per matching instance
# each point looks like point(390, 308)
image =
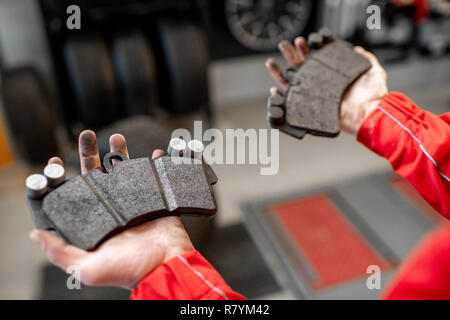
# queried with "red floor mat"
point(332, 247)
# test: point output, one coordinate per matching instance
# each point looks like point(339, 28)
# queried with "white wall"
point(22, 38)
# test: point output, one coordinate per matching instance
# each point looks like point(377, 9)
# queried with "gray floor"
point(239, 89)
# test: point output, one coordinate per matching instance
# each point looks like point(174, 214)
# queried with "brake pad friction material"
point(86, 210)
point(312, 112)
point(191, 190)
point(313, 99)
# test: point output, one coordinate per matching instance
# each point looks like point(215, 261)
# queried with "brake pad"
point(88, 209)
point(316, 89)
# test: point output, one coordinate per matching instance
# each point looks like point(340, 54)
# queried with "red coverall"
point(416, 143)
point(422, 9)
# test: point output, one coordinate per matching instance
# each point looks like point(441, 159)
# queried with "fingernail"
point(274, 65)
point(88, 143)
point(269, 62)
point(284, 44)
point(34, 236)
point(88, 137)
point(116, 137)
point(157, 153)
point(273, 91)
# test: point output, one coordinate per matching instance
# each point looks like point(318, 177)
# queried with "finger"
point(302, 47)
point(275, 91)
point(275, 71)
point(56, 160)
point(59, 252)
point(88, 150)
point(376, 66)
point(290, 54)
point(158, 153)
point(369, 56)
point(117, 143)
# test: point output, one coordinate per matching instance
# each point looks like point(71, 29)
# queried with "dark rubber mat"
point(319, 243)
point(53, 287)
point(407, 190)
point(233, 253)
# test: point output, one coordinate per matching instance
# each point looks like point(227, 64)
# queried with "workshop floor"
point(239, 104)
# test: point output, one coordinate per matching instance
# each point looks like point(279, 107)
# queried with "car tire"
point(136, 72)
point(91, 75)
point(29, 114)
point(184, 75)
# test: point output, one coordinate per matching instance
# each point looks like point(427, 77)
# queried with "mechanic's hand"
point(361, 98)
point(127, 257)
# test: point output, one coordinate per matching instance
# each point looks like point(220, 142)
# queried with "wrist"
point(178, 251)
point(353, 115)
point(370, 107)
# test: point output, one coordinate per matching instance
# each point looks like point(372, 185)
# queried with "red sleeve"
point(426, 273)
point(185, 277)
point(416, 143)
point(422, 10)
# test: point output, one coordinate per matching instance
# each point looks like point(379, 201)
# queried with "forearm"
point(416, 143)
point(187, 277)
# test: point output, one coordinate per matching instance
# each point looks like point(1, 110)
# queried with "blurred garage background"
point(146, 67)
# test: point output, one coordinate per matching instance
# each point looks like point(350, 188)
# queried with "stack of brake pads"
point(86, 210)
point(312, 101)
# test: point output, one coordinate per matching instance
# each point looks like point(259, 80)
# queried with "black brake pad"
point(316, 88)
point(87, 209)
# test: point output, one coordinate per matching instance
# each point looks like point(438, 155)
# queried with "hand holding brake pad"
point(86, 210)
point(316, 88)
